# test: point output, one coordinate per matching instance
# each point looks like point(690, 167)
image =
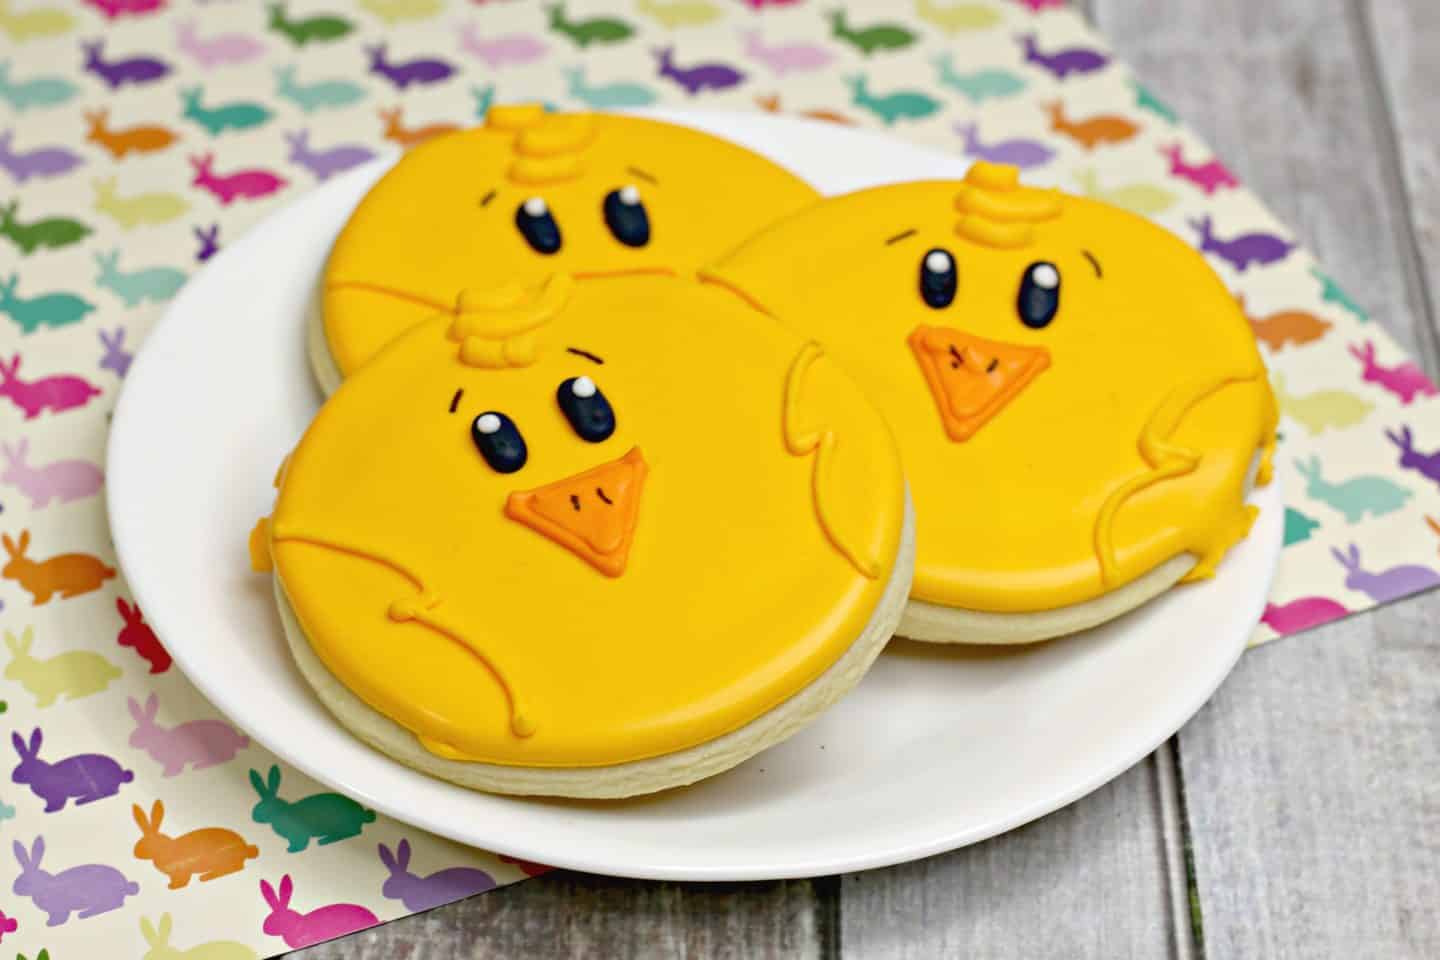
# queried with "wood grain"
point(1404, 39)
point(1278, 89)
point(1313, 801)
point(1310, 778)
point(565, 914)
point(1091, 880)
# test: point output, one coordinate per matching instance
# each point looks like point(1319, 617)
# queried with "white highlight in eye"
point(1045, 276)
point(487, 423)
point(938, 261)
point(630, 195)
point(535, 206)
point(583, 387)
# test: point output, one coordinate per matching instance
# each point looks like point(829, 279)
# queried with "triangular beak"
point(972, 379)
point(592, 514)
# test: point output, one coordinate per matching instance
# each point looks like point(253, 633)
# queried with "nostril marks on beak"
point(600, 492)
point(575, 502)
point(958, 361)
point(994, 362)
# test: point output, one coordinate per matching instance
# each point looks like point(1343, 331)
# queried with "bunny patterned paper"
point(138, 137)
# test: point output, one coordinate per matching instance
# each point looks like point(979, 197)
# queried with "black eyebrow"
point(455, 400)
point(901, 236)
point(485, 200)
point(1094, 263)
point(586, 354)
point(642, 175)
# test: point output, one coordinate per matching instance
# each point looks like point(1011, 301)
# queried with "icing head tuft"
point(997, 211)
point(496, 328)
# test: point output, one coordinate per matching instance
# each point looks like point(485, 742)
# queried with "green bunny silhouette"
point(325, 817)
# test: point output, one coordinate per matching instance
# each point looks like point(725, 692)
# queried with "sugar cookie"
point(598, 539)
point(1078, 400)
point(529, 194)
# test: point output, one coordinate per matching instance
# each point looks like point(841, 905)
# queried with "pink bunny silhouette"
point(303, 929)
point(63, 480)
point(1405, 380)
point(47, 393)
point(200, 743)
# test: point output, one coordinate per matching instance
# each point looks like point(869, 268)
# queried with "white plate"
point(936, 749)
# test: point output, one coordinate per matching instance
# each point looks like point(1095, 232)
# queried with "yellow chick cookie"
point(1079, 403)
point(529, 194)
point(607, 538)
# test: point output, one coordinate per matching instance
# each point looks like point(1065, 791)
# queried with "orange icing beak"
point(971, 378)
point(592, 514)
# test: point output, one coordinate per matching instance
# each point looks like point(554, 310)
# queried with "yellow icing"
point(1083, 454)
point(542, 171)
point(443, 219)
point(425, 586)
point(512, 117)
point(556, 134)
point(821, 442)
point(495, 328)
point(997, 211)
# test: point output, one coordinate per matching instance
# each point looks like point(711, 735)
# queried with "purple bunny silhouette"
point(1062, 63)
point(1018, 152)
point(86, 776)
point(117, 73)
point(209, 238)
point(404, 73)
point(87, 890)
point(1260, 249)
point(1426, 464)
point(702, 76)
point(421, 893)
point(1385, 585)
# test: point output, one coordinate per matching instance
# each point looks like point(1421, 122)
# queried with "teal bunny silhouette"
point(324, 817)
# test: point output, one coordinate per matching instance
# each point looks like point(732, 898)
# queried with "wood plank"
point(1403, 39)
point(1310, 781)
point(1313, 795)
point(566, 914)
point(1091, 880)
point(1277, 88)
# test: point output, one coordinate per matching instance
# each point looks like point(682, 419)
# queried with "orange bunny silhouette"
point(770, 103)
point(120, 141)
point(68, 574)
point(211, 852)
point(396, 130)
point(1090, 132)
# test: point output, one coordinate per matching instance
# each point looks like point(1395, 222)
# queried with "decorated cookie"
point(566, 542)
point(526, 195)
point(1079, 402)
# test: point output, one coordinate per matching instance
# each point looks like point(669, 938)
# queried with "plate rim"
point(124, 532)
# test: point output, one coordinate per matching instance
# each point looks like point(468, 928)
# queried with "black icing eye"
point(938, 278)
point(1039, 294)
point(586, 408)
point(626, 217)
point(537, 225)
point(499, 442)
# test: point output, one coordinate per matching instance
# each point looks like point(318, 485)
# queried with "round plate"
point(937, 748)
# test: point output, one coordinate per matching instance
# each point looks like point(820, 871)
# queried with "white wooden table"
point(1299, 814)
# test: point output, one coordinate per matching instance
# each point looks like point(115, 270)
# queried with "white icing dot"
point(1045, 276)
point(487, 423)
point(535, 206)
point(938, 261)
point(583, 387)
point(629, 194)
